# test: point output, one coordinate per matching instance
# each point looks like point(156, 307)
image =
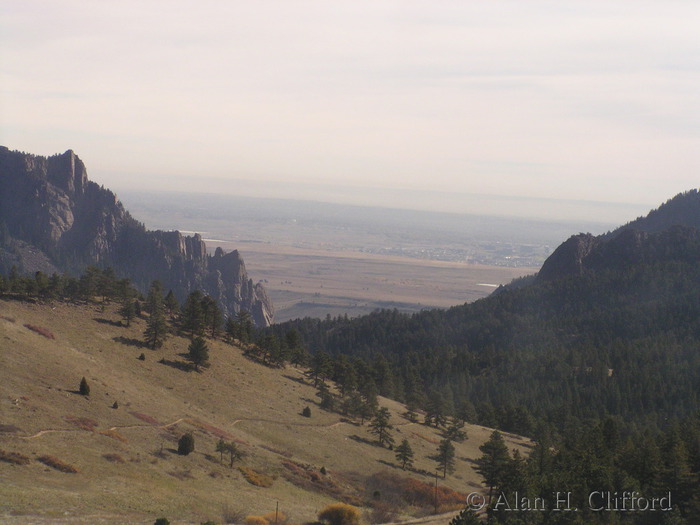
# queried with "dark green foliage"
point(211, 316)
point(230, 448)
point(306, 412)
point(161, 521)
point(493, 465)
point(192, 317)
point(172, 307)
point(185, 444)
point(380, 427)
point(128, 310)
point(84, 387)
point(156, 330)
point(404, 454)
point(455, 432)
point(466, 517)
point(445, 457)
point(142, 357)
point(198, 352)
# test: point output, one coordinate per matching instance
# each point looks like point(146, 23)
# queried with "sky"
point(359, 101)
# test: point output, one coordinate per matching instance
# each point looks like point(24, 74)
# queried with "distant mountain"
point(52, 218)
point(610, 325)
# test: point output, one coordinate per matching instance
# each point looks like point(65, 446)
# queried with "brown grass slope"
point(119, 465)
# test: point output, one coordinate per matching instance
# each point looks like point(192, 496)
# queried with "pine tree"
point(245, 326)
point(127, 310)
point(446, 457)
point(156, 329)
point(198, 352)
point(380, 427)
point(211, 316)
point(172, 307)
point(185, 444)
point(84, 387)
point(192, 318)
point(466, 516)
point(404, 454)
point(493, 465)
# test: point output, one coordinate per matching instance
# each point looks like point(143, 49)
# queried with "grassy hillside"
point(128, 470)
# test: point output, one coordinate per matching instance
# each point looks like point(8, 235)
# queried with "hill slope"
point(610, 326)
point(128, 469)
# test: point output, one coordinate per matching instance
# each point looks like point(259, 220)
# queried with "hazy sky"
point(592, 100)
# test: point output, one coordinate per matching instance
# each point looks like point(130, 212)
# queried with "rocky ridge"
point(52, 218)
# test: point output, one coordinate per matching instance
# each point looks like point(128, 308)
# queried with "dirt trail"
point(189, 421)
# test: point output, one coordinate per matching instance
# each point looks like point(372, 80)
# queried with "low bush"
point(113, 458)
point(14, 457)
point(340, 514)
point(57, 464)
point(40, 330)
point(256, 478)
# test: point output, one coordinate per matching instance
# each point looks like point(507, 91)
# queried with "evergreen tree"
point(198, 352)
point(493, 465)
point(320, 368)
point(156, 329)
point(455, 433)
point(192, 317)
point(185, 444)
point(404, 454)
point(84, 387)
point(245, 326)
point(380, 427)
point(127, 310)
point(172, 307)
point(211, 316)
point(445, 457)
point(466, 517)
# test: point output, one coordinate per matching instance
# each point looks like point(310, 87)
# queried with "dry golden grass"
point(256, 406)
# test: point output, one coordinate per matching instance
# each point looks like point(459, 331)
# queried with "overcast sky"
point(591, 100)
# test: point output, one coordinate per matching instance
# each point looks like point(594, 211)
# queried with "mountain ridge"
point(48, 204)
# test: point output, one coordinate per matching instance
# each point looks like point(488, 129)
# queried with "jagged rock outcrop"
point(49, 208)
point(670, 231)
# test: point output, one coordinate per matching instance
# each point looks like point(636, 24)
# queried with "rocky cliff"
point(53, 218)
point(669, 233)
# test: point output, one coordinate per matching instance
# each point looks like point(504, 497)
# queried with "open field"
point(127, 468)
point(315, 282)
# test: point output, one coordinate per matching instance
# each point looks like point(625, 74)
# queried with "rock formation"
point(53, 218)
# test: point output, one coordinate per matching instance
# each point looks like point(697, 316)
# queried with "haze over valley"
point(319, 258)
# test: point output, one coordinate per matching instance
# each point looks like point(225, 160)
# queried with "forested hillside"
point(618, 335)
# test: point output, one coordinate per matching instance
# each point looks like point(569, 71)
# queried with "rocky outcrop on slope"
point(49, 208)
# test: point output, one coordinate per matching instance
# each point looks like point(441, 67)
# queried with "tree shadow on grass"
point(185, 367)
point(366, 441)
point(102, 320)
point(129, 341)
point(297, 379)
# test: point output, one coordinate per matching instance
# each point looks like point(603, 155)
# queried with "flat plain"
point(314, 282)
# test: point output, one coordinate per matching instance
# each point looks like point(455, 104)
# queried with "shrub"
point(340, 514)
point(162, 521)
point(84, 387)
point(275, 517)
point(115, 404)
point(57, 464)
point(40, 330)
point(256, 478)
point(142, 357)
point(186, 444)
point(113, 458)
point(306, 412)
point(14, 457)
point(231, 515)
